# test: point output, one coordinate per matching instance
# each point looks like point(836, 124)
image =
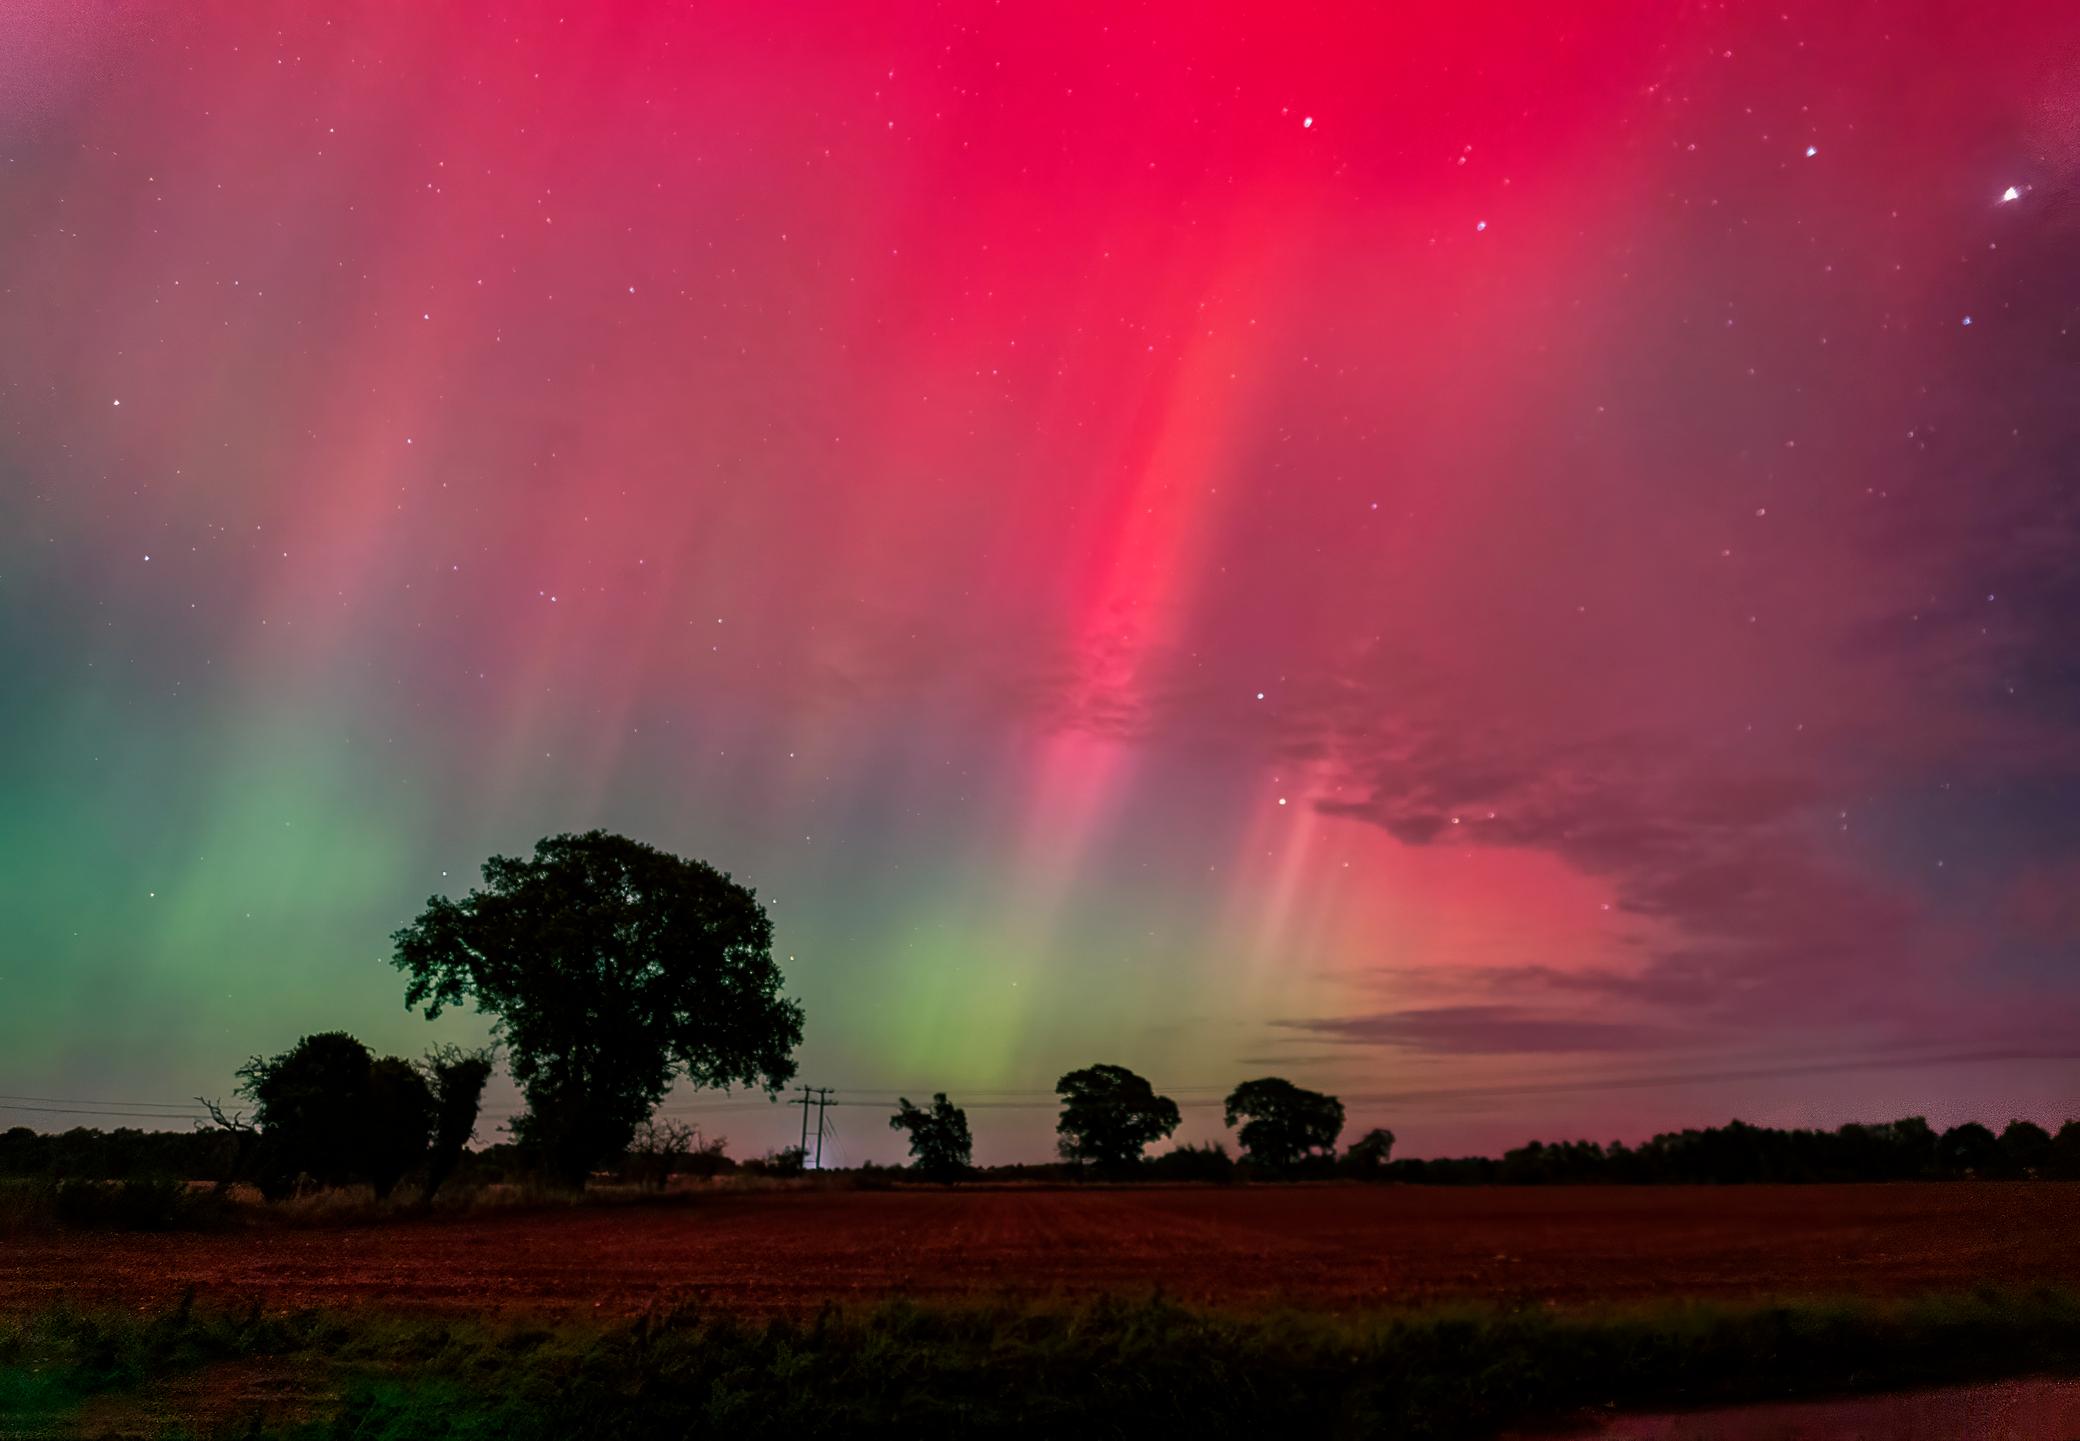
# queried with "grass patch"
point(1108, 1369)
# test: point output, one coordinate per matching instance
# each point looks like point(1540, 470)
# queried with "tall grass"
point(1095, 1371)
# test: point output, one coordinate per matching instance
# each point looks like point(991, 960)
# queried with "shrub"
point(1210, 1162)
point(788, 1161)
point(156, 1204)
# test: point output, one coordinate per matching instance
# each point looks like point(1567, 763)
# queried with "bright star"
point(1811, 151)
point(2011, 193)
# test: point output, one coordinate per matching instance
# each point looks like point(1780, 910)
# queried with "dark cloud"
point(1480, 1030)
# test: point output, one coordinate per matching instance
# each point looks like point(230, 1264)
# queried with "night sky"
point(1520, 563)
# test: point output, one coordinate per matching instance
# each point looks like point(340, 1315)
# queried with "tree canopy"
point(1972, 1149)
point(2027, 1147)
point(611, 969)
point(1283, 1123)
point(1110, 1115)
point(940, 1148)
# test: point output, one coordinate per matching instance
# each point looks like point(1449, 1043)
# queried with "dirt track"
point(1340, 1247)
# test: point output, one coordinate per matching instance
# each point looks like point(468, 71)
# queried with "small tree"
point(457, 1079)
point(1282, 1123)
point(1368, 1155)
point(1110, 1115)
point(243, 1143)
point(658, 1150)
point(611, 969)
point(940, 1148)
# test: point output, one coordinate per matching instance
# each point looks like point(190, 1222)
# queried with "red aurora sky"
point(1516, 562)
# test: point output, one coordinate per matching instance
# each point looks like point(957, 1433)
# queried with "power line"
point(88, 1111)
point(188, 1105)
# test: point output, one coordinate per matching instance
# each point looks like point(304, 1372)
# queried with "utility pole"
point(820, 1097)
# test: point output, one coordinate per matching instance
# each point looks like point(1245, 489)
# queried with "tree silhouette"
point(611, 969)
point(308, 1107)
point(940, 1148)
point(657, 1150)
point(326, 1112)
point(1368, 1155)
point(1109, 1115)
point(2027, 1147)
point(1972, 1150)
point(2064, 1161)
point(396, 1123)
point(457, 1079)
point(1283, 1123)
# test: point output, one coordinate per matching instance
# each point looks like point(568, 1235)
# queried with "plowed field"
point(1335, 1247)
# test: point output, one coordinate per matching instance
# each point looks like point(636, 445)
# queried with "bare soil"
point(1336, 1247)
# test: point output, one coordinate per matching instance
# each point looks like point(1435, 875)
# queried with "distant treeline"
point(1733, 1154)
point(123, 1154)
point(1736, 1153)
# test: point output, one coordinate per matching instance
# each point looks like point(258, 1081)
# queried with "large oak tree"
point(1110, 1115)
point(1284, 1124)
point(612, 969)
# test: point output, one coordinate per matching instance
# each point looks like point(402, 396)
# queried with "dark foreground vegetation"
point(1107, 1369)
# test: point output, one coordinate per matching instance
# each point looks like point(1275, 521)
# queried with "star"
point(1811, 151)
point(2011, 193)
